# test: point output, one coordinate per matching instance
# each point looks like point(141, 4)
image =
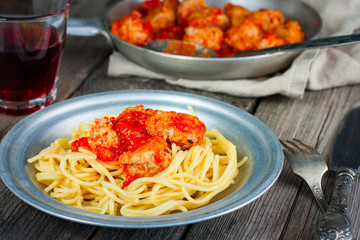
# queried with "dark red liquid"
point(30, 56)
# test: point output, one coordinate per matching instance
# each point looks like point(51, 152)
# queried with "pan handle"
point(87, 28)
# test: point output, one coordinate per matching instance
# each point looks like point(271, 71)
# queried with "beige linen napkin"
point(313, 69)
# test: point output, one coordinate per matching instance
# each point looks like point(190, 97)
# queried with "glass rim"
point(38, 17)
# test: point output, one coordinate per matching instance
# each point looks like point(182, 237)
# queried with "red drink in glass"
point(29, 72)
point(30, 55)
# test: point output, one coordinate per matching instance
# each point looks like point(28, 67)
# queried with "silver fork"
point(308, 164)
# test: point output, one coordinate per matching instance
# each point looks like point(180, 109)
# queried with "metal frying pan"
point(204, 68)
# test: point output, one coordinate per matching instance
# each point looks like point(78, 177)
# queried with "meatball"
point(290, 32)
point(269, 40)
point(102, 134)
point(243, 37)
point(137, 113)
point(148, 160)
point(172, 4)
point(186, 7)
point(161, 18)
point(182, 129)
point(130, 126)
point(209, 16)
point(103, 139)
point(237, 14)
point(267, 19)
point(210, 36)
point(133, 29)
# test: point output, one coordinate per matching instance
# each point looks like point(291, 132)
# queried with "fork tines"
point(297, 145)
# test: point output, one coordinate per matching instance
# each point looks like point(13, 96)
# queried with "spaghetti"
point(192, 178)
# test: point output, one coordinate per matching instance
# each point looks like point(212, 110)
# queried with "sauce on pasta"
point(139, 139)
point(142, 162)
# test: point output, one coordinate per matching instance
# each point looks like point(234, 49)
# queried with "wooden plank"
point(173, 233)
point(286, 211)
point(338, 105)
point(97, 82)
point(258, 219)
point(19, 220)
point(81, 57)
point(294, 212)
point(100, 82)
point(262, 219)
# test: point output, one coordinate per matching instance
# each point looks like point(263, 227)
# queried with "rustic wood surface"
point(286, 211)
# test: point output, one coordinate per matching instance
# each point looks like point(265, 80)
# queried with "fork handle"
point(335, 223)
point(319, 196)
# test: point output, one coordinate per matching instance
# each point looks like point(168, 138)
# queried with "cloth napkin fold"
point(312, 69)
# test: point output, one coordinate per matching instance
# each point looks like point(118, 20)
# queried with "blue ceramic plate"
point(251, 137)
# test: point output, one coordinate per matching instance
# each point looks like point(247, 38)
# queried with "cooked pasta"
point(193, 177)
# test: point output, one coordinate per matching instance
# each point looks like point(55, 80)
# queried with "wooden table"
point(286, 211)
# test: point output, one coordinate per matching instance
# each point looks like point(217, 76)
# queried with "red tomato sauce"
point(131, 130)
point(125, 140)
point(130, 179)
point(181, 124)
point(151, 4)
point(81, 142)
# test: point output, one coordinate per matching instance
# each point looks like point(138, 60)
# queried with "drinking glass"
point(32, 37)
